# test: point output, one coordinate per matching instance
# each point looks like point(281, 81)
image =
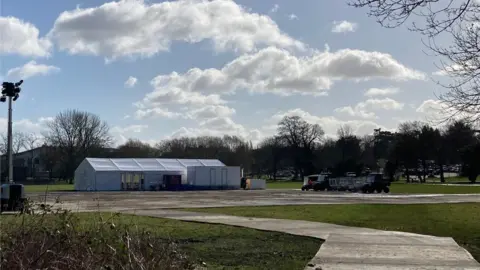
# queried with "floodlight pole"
point(9, 138)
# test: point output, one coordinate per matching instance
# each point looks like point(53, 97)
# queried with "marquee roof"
point(148, 164)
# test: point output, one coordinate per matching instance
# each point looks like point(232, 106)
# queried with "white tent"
point(151, 173)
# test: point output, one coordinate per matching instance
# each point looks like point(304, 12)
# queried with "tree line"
point(297, 149)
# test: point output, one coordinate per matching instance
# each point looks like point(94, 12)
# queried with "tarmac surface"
point(202, 199)
point(345, 248)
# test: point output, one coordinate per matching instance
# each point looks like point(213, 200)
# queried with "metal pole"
point(9, 147)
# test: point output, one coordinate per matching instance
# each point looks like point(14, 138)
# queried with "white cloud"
point(330, 124)
point(437, 112)
point(121, 134)
point(433, 110)
point(155, 112)
point(456, 69)
point(130, 82)
point(275, 8)
point(20, 37)
point(273, 70)
point(212, 111)
point(31, 69)
point(381, 91)
point(355, 112)
point(292, 17)
point(27, 125)
point(219, 126)
point(344, 26)
point(136, 28)
point(130, 128)
point(363, 109)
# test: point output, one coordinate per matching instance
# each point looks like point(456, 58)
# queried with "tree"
point(301, 137)
point(457, 18)
point(31, 141)
point(19, 141)
point(270, 153)
point(349, 147)
point(134, 148)
point(406, 146)
point(76, 135)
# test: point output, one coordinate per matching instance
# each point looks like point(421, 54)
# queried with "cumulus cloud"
point(31, 69)
point(292, 17)
point(273, 70)
point(121, 134)
point(212, 111)
point(137, 28)
point(330, 124)
point(155, 112)
point(381, 91)
point(219, 126)
point(344, 26)
point(362, 109)
point(275, 8)
point(434, 110)
point(22, 38)
point(27, 125)
point(130, 82)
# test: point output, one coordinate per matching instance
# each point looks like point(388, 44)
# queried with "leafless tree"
point(77, 134)
point(301, 137)
point(459, 20)
point(345, 131)
point(19, 142)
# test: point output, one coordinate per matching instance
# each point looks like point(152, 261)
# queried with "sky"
point(156, 70)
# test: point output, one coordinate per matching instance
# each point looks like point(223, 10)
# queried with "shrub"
point(60, 240)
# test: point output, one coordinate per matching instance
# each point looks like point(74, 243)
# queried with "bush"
point(59, 240)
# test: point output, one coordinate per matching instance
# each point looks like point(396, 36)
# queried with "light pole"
point(10, 91)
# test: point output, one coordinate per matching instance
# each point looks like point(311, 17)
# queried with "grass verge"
point(83, 240)
point(460, 221)
point(51, 187)
point(399, 188)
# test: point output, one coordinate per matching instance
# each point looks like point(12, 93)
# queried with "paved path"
point(201, 199)
point(348, 248)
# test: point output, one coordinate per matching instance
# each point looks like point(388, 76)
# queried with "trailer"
point(374, 182)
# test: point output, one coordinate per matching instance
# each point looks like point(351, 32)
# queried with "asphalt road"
point(201, 199)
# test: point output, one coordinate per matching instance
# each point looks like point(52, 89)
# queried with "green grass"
point(51, 187)
point(398, 188)
point(219, 246)
point(417, 188)
point(460, 221)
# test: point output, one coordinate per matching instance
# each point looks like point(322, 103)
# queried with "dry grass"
point(58, 240)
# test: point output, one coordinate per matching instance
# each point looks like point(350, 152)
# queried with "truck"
point(373, 182)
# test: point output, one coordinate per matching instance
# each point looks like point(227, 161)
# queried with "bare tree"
point(301, 137)
point(19, 140)
point(458, 19)
point(31, 141)
point(76, 135)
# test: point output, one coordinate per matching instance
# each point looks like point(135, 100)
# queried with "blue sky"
point(228, 67)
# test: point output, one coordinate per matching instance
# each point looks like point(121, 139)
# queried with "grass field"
point(399, 188)
point(396, 187)
point(460, 221)
point(219, 246)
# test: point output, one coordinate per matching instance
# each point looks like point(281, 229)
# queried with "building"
point(115, 174)
point(26, 164)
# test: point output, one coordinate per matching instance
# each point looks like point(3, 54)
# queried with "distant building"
point(27, 164)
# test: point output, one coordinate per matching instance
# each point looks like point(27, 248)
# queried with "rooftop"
point(148, 164)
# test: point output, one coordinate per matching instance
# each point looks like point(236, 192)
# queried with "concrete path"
point(349, 248)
